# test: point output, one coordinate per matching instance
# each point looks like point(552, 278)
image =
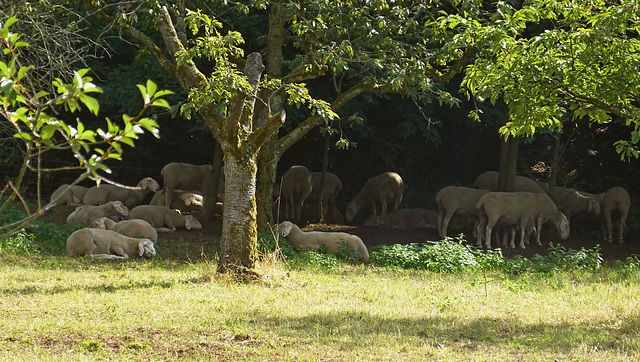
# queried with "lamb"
point(68, 195)
point(489, 181)
point(615, 204)
point(163, 218)
point(520, 209)
point(377, 190)
point(571, 202)
point(456, 200)
point(85, 215)
point(135, 228)
point(185, 176)
point(296, 187)
point(184, 201)
point(99, 195)
point(314, 240)
point(410, 219)
point(107, 244)
point(333, 185)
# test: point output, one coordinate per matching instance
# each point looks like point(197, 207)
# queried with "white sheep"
point(314, 240)
point(456, 200)
point(520, 209)
point(489, 181)
point(186, 202)
point(86, 214)
point(68, 195)
point(187, 177)
point(615, 204)
point(135, 228)
point(296, 187)
point(107, 244)
point(571, 201)
point(377, 190)
point(163, 218)
point(333, 185)
point(409, 219)
point(99, 195)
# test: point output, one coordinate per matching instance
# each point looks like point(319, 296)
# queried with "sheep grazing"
point(186, 202)
point(85, 215)
point(571, 202)
point(107, 244)
point(489, 181)
point(377, 190)
point(314, 240)
point(99, 195)
point(296, 187)
point(456, 200)
point(519, 209)
point(409, 219)
point(333, 185)
point(135, 228)
point(68, 195)
point(185, 176)
point(163, 218)
point(615, 205)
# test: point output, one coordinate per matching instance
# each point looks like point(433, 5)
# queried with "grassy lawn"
point(58, 308)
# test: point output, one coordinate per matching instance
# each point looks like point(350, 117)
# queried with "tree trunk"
point(267, 169)
point(508, 163)
point(323, 178)
point(239, 233)
point(211, 192)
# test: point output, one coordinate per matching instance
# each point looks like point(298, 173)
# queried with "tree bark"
point(508, 164)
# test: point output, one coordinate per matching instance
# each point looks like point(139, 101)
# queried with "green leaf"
point(151, 88)
point(48, 130)
point(161, 103)
point(91, 103)
point(24, 135)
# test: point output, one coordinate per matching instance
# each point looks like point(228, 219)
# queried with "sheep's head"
point(191, 222)
point(284, 228)
point(149, 184)
point(145, 248)
point(120, 209)
point(594, 206)
point(352, 210)
point(562, 225)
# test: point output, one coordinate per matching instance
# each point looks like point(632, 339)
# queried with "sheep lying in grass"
point(296, 187)
point(86, 214)
point(99, 195)
point(409, 219)
point(314, 240)
point(489, 181)
point(135, 228)
point(163, 218)
point(377, 190)
point(615, 205)
point(186, 202)
point(68, 195)
point(187, 177)
point(107, 244)
point(520, 209)
point(456, 200)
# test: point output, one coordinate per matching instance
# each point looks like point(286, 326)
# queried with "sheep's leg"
point(445, 224)
point(106, 256)
point(480, 228)
point(523, 234)
point(119, 251)
point(487, 235)
point(373, 206)
point(623, 221)
point(539, 231)
point(383, 201)
point(607, 216)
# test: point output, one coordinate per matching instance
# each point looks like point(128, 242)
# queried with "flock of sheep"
point(118, 223)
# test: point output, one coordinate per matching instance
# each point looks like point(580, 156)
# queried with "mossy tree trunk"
point(508, 164)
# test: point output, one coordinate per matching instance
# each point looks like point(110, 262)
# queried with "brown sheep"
point(377, 190)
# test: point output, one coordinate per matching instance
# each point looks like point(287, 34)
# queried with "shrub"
point(267, 244)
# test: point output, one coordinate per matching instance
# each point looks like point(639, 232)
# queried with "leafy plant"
point(268, 244)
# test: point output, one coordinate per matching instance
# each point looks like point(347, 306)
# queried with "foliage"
point(267, 243)
point(20, 243)
point(554, 60)
point(34, 117)
point(628, 266)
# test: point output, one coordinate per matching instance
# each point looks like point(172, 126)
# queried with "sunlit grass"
point(62, 308)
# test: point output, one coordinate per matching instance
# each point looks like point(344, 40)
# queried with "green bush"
point(267, 244)
point(628, 266)
point(561, 258)
point(21, 243)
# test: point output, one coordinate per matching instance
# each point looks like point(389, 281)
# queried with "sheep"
point(489, 181)
point(68, 195)
point(163, 218)
point(296, 187)
point(185, 176)
point(85, 214)
point(333, 185)
point(184, 201)
point(456, 200)
point(615, 204)
point(377, 190)
point(99, 195)
point(311, 213)
point(409, 219)
point(135, 228)
point(314, 240)
point(520, 209)
point(571, 202)
point(107, 244)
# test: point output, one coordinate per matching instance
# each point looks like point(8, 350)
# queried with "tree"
point(30, 113)
point(555, 60)
point(380, 47)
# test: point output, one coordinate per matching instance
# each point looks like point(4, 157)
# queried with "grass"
point(58, 308)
